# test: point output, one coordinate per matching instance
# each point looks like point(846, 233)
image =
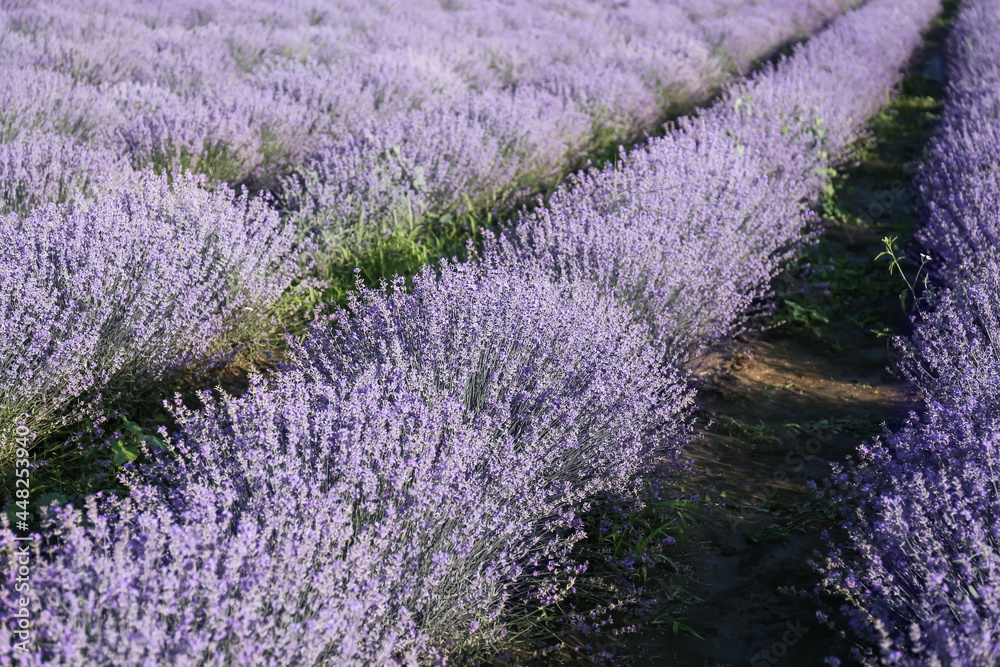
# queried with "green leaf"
point(122, 454)
point(133, 428)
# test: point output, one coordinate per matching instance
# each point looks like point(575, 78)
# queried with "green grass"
point(764, 433)
point(403, 252)
point(85, 457)
point(767, 433)
point(611, 590)
point(791, 517)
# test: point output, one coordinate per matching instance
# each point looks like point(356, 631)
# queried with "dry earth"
point(748, 561)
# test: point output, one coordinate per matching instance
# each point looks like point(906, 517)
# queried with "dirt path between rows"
point(748, 561)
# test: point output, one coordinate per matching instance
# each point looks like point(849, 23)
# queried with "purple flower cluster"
point(554, 366)
point(253, 93)
point(960, 181)
point(41, 167)
point(525, 121)
point(923, 569)
point(686, 232)
point(415, 466)
point(690, 229)
point(129, 285)
point(922, 574)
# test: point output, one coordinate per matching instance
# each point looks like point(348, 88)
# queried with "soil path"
point(782, 414)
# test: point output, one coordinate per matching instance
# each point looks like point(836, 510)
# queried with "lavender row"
point(62, 97)
point(689, 230)
point(421, 464)
point(67, 74)
point(922, 568)
point(470, 150)
point(380, 502)
point(961, 180)
point(128, 286)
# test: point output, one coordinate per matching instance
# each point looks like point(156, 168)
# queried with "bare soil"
point(748, 575)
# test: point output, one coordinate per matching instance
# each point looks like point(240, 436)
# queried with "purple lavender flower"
point(382, 498)
point(422, 463)
point(133, 285)
point(37, 168)
point(689, 230)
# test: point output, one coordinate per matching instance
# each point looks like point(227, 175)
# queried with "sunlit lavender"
point(418, 466)
point(98, 294)
point(689, 230)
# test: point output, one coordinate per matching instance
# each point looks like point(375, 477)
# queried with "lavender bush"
point(753, 31)
point(37, 168)
point(180, 85)
point(133, 285)
point(923, 572)
point(804, 112)
point(952, 354)
point(686, 232)
point(421, 464)
point(391, 180)
point(247, 97)
point(526, 357)
point(960, 180)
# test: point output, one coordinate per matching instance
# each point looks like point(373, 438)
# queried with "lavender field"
point(376, 333)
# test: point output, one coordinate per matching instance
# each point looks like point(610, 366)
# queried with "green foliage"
point(128, 447)
point(865, 200)
point(627, 549)
point(807, 317)
point(760, 434)
point(896, 262)
point(82, 460)
point(791, 517)
point(402, 251)
point(87, 457)
point(615, 534)
point(676, 625)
